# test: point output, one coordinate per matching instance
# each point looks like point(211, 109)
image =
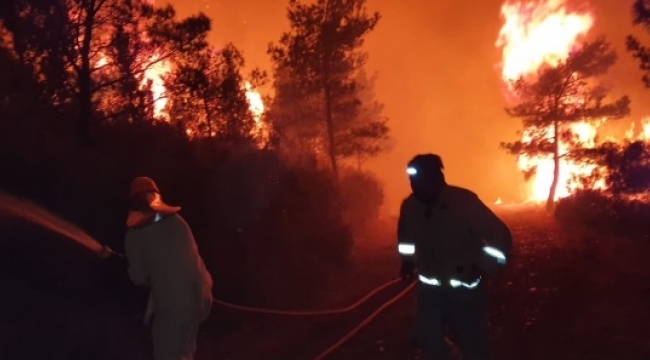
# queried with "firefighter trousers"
point(174, 332)
point(466, 313)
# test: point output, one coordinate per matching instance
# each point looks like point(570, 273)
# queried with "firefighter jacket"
point(449, 238)
point(164, 255)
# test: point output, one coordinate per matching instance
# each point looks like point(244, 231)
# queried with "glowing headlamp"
point(411, 171)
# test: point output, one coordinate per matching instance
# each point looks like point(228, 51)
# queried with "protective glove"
point(108, 253)
point(407, 272)
point(468, 275)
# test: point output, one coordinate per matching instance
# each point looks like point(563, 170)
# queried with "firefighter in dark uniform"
point(454, 240)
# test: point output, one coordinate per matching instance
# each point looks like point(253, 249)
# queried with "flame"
point(537, 33)
point(534, 34)
point(257, 108)
point(645, 132)
point(255, 102)
point(154, 78)
point(570, 171)
point(633, 135)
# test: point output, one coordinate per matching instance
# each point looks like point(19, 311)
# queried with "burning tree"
point(625, 167)
point(102, 58)
point(561, 96)
point(316, 68)
point(210, 97)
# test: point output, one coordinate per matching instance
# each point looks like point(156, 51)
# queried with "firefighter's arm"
point(494, 233)
point(405, 244)
point(137, 270)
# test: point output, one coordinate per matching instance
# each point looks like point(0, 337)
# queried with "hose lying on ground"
point(310, 313)
point(364, 323)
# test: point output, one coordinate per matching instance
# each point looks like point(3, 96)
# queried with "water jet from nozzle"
point(11, 205)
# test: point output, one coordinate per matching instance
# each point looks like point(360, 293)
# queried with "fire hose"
point(364, 323)
point(354, 306)
point(310, 313)
point(43, 218)
point(350, 308)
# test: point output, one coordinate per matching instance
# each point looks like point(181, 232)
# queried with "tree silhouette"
point(318, 60)
point(560, 96)
point(209, 96)
point(92, 53)
point(368, 135)
point(641, 16)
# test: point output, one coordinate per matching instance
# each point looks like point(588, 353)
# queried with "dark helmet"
point(425, 163)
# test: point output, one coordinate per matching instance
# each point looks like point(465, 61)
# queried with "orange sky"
point(438, 78)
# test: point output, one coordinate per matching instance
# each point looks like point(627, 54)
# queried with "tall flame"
point(537, 33)
point(255, 101)
point(643, 135)
point(257, 108)
point(154, 79)
point(154, 75)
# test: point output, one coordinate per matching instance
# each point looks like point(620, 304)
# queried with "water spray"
point(10, 205)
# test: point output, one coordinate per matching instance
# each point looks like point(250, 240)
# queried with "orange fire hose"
point(364, 323)
point(350, 334)
point(310, 313)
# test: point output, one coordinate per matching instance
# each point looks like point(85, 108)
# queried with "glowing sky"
point(438, 78)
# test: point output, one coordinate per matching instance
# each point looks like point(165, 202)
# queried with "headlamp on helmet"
point(424, 164)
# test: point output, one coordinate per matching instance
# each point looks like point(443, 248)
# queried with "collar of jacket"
point(434, 202)
point(149, 220)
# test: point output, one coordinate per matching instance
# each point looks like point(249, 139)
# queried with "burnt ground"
point(569, 293)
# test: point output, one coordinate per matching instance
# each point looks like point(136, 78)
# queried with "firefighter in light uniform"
point(454, 240)
point(162, 254)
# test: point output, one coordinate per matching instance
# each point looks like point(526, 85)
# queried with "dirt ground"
point(570, 293)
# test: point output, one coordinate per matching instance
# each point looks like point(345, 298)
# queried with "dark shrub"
point(362, 195)
point(278, 230)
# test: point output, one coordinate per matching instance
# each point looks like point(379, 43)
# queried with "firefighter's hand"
point(107, 253)
point(407, 272)
point(470, 275)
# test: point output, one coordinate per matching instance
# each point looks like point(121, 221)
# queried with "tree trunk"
point(85, 81)
point(330, 132)
point(208, 118)
point(550, 203)
point(85, 107)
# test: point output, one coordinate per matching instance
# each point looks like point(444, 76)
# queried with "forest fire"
point(570, 172)
point(153, 80)
point(536, 34)
point(257, 108)
point(643, 134)
point(146, 67)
